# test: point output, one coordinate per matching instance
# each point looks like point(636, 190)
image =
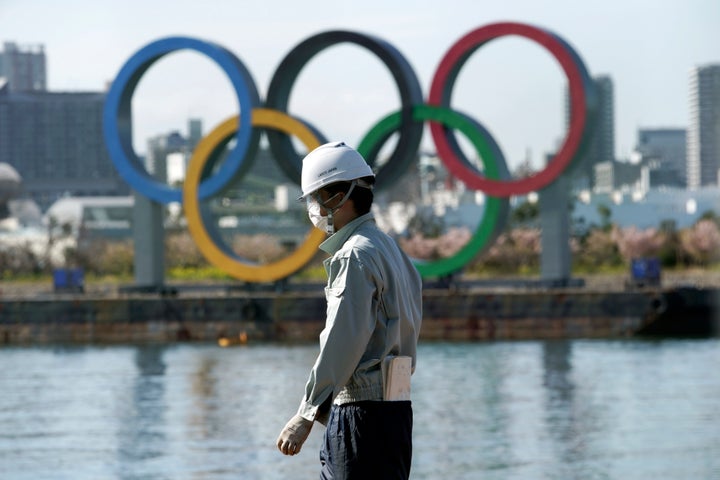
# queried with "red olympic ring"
point(580, 98)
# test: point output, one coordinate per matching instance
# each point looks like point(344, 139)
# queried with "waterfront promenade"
point(601, 282)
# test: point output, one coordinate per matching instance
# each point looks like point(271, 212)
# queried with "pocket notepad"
point(396, 378)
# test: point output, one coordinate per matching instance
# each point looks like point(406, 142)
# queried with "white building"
point(649, 209)
point(104, 216)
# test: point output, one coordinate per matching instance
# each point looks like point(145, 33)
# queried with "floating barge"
point(460, 313)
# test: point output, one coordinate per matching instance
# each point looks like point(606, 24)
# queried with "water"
point(503, 410)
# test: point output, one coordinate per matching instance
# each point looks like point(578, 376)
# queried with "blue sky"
point(511, 85)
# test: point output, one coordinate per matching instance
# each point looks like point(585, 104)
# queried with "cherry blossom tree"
point(702, 242)
point(633, 242)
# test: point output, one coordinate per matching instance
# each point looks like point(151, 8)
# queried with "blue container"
point(646, 270)
point(69, 279)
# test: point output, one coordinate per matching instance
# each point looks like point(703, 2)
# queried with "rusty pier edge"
point(459, 314)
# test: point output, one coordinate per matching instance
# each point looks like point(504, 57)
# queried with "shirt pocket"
point(334, 300)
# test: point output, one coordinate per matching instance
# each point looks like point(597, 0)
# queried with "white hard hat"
point(330, 163)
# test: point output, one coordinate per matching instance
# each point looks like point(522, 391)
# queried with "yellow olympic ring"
point(264, 118)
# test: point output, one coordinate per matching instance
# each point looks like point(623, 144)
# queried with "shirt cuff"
point(308, 411)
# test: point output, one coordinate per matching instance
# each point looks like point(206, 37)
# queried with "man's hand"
point(294, 434)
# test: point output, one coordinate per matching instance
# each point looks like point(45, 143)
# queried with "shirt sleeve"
point(348, 328)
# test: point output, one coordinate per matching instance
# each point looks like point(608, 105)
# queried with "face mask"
point(321, 222)
point(326, 223)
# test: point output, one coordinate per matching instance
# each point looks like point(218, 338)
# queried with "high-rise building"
point(195, 133)
point(54, 140)
point(663, 151)
point(23, 67)
point(601, 146)
point(703, 138)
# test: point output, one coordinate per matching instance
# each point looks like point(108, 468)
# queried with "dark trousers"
point(368, 441)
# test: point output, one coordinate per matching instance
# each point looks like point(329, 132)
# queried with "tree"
point(702, 242)
point(633, 242)
point(605, 214)
point(524, 213)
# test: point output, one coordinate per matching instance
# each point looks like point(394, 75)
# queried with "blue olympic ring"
point(117, 118)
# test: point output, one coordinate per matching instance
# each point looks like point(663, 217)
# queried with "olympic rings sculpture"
point(201, 184)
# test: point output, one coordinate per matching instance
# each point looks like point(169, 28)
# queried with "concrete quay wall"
point(299, 316)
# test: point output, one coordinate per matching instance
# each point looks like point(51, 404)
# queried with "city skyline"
point(520, 102)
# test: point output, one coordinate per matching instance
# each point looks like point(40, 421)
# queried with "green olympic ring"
point(496, 209)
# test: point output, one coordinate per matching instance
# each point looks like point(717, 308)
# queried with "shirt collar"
point(335, 241)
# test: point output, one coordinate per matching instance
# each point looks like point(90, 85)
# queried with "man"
point(374, 311)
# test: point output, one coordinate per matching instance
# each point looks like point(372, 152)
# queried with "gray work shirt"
point(374, 309)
